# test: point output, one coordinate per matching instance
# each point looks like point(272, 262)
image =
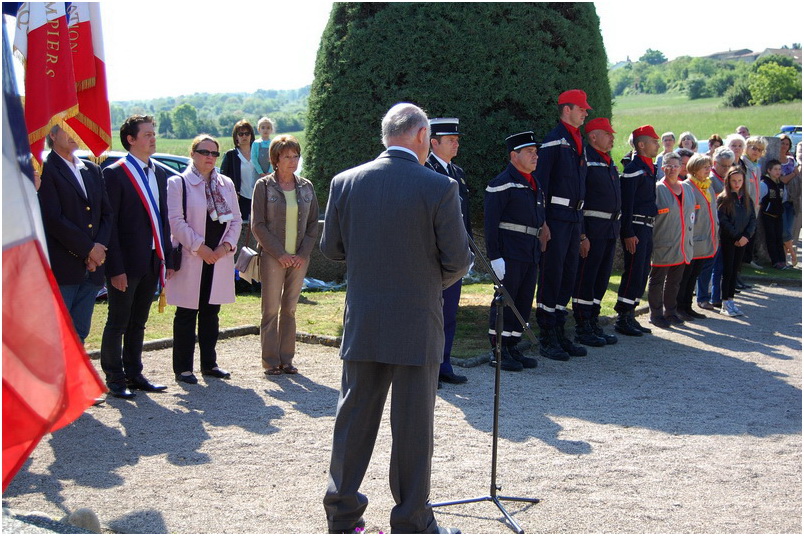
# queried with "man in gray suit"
point(399, 228)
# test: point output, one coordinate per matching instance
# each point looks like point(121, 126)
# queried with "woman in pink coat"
point(207, 231)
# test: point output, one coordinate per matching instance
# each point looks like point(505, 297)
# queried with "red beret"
point(599, 123)
point(576, 97)
point(645, 130)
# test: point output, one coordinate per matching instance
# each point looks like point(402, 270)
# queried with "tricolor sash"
point(133, 170)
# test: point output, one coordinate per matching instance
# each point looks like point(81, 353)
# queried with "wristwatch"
point(584, 238)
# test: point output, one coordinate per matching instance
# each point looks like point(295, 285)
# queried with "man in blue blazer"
point(138, 257)
point(399, 228)
point(78, 224)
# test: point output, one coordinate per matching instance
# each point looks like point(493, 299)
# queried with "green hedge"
point(499, 67)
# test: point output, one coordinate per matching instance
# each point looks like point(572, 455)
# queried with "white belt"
point(604, 215)
point(533, 231)
point(564, 202)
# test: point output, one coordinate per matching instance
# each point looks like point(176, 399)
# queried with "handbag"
point(248, 264)
point(177, 249)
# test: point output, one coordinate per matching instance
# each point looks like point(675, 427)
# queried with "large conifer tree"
point(499, 67)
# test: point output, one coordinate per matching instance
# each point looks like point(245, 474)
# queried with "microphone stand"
point(501, 300)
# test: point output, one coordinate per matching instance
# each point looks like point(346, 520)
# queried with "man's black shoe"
point(694, 314)
point(119, 390)
point(508, 362)
point(597, 330)
point(453, 378)
point(527, 362)
point(356, 529)
point(624, 326)
point(141, 383)
point(660, 322)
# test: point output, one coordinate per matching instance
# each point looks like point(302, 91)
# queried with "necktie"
point(451, 171)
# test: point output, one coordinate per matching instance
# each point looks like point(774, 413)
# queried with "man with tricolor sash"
point(139, 256)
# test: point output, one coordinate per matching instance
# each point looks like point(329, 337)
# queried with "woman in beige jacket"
point(285, 222)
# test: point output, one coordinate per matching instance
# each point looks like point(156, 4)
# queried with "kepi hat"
point(444, 126)
point(518, 141)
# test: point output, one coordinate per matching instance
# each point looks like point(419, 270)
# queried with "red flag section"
point(92, 124)
point(42, 43)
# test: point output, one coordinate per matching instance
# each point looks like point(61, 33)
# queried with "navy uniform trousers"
point(559, 262)
point(636, 269)
point(520, 282)
point(592, 279)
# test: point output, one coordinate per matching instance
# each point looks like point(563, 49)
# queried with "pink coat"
point(183, 288)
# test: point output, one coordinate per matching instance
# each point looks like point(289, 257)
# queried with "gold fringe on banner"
point(162, 301)
point(83, 85)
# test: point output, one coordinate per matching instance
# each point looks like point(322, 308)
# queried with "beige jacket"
point(268, 214)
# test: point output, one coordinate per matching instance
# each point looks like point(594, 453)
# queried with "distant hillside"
point(216, 113)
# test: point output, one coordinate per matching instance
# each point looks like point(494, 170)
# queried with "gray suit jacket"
point(398, 226)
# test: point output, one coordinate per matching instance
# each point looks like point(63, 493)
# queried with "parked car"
point(171, 163)
point(794, 131)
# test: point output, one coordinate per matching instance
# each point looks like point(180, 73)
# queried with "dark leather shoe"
point(633, 322)
point(191, 379)
point(674, 319)
point(453, 378)
point(684, 315)
point(695, 314)
point(141, 383)
point(624, 326)
point(217, 372)
point(550, 347)
point(356, 529)
point(660, 322)
point(119, 390)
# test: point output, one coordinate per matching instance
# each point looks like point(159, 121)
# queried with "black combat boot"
point(624, 326)
point(507, 362)
point(549, 346)
point(584, 334)
point(527, 362)
point(567, 345)
point(597, 330)
point(633, 322)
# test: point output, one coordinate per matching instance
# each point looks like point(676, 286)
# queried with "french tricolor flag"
point(93, 122)
point(42, 43)
point(48, 380)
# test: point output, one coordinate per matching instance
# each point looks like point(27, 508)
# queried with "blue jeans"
point(788, 217)
point(704, 289)
point(80, 302)
point(717, 277)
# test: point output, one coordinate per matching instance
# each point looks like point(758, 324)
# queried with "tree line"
point(185, 116)
point(769, 79)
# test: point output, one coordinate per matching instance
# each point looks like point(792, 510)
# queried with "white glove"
point(498, 265)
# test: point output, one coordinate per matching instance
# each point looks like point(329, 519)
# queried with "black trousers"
point(592, 279)
point(520, 282)
point(773, 238)
point(636, 269)
point(688, 282)
point(732, 259)
point(121, 346)
point(184, 329)
point(557, 273)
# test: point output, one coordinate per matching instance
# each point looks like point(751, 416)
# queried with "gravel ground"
point(693, 430)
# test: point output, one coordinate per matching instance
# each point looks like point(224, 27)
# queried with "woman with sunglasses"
point(285, 221)
point(205, 221)
point(237, 165)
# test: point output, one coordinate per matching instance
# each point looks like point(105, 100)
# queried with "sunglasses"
point(204, 152)
point(244, 133)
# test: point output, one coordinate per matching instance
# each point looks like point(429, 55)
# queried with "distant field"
point(702, 117)
point(182, 147)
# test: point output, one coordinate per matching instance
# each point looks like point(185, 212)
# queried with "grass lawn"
point(703, 117)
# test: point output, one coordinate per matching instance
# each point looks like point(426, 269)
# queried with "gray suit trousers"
point(364, 389)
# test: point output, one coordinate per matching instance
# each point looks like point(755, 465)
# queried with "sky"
point(273, 45)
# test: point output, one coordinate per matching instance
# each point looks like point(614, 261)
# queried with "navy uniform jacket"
point(463, 188)
point(602, 195)
point(510, 199)
point(73, 221)
point(638, 187)
point(562, 176)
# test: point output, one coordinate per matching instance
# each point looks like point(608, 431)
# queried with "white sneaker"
point(728, 308)
point(735, 310)
point(754, 264)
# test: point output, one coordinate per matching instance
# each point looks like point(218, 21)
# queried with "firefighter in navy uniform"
point(444, 143)
point(515, 237)
point(638, 189)
point(602, 224)
point(562, 177)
